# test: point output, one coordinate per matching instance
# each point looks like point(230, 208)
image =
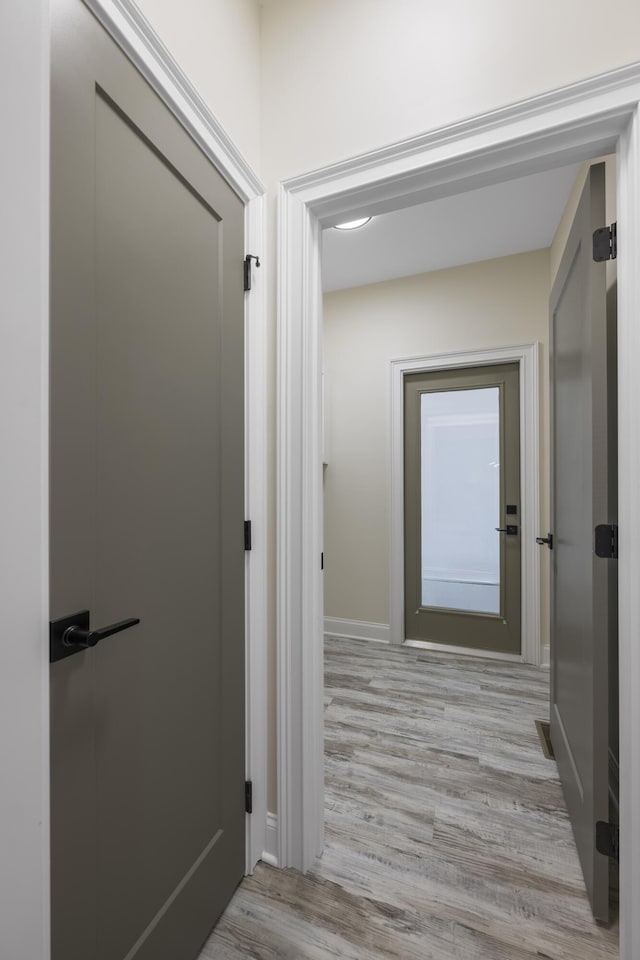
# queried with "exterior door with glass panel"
point(462, 507)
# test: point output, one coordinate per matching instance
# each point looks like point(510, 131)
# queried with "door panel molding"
point(134, 35)
point(526, 356)
point(573, 123)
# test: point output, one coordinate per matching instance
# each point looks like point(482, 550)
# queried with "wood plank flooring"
point(446, 832)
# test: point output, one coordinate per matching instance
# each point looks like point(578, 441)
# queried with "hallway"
point(446, 833)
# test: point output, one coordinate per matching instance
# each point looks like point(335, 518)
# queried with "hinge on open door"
point(248, 796)
point(608, 839)
point(606, 541)
point(247, 269)
point(247, 534)
point(605, 243)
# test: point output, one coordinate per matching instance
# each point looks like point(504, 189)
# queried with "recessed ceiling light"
point(353, 224)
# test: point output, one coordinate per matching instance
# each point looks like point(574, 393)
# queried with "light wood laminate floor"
point(447, 836)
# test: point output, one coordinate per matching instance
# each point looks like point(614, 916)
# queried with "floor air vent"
point(544, 733)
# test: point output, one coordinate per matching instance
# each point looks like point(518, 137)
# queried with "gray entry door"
point(462, 510)
point(583, 495)
point(147, 481)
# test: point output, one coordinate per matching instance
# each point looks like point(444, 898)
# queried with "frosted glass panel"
point(460, 499)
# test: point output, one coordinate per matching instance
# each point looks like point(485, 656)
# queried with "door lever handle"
point(511, 529)
point(72, 634)
point(75, 636)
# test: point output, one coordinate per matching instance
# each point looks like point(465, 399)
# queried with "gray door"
point(462, 507)
point(147, 727)
point(583, 495)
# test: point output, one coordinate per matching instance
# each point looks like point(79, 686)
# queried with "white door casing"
point(526, 355)
point(574, 123)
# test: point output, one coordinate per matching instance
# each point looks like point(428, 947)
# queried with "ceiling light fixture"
point(353, 224)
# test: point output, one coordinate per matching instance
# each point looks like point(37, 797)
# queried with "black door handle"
point(548, 540)
point(77, 637)
point(511, 529)
point(72, 634)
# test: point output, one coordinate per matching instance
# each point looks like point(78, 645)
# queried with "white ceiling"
point(494, 221)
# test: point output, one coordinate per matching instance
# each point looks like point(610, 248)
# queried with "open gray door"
point(583, 497)
point(147, 502)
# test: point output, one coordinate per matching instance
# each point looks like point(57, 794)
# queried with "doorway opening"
point(346, 428)
point(571, 124)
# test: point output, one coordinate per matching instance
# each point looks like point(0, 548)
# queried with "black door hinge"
point(247, 534)
point(248, 796)
point(322, 560)
point(605, 243)
point(606, 541)
point(608, 839)
point(247, 269)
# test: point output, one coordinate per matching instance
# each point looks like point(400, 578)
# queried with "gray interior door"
point(583, 496)
point(147, 481)
point(462, 510)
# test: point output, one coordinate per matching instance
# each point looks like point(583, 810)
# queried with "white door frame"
point(578, 122)
point(526, 356)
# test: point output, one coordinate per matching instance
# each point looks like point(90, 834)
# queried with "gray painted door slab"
point(147, 502)
point(583, 489)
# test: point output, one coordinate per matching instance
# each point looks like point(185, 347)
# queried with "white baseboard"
point(357, 630)
point(546, 656)
point(270, 852)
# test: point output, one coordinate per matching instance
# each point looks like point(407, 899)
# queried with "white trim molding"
point(24, 481)
point(272, 843)
point(526, 356)
point(356, 630)
point(256, 614)
point(628, 212)
point(577, 122)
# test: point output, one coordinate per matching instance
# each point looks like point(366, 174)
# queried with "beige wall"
point(217, 44)
point(491, 304)
point(343, 76)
